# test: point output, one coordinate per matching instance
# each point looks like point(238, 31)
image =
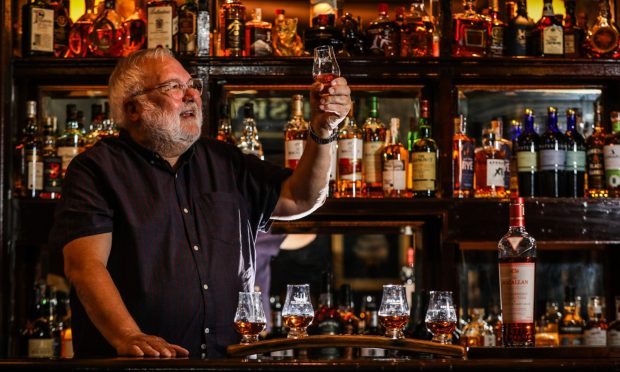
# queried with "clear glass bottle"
point(71, 142)
point(374, 139)
point(326, 317)
point(505, 145)
point(603, 38)
point(424, 154)
point(527, 157)
point(249, 142)
point(517, 267)
point(571, 325)
point(611, 156)
point(295, 133)
point(78, 36)
point(383, 35)
point(417, 32)
point(394, 164)
point(38, 29)
point(490, 167)
point(52, 163)
point(595, 166)
point(232, 28)
point(470, 32)
point(350, 155)
point(549, 33)
point(107, 36)
point(595, 332)
point(463, 148)
point(552, 158)
point(258, 41)
point(575, 157)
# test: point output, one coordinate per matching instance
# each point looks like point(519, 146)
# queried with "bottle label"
point(595, 337)
point(611, 154)
point(466, 166)
point(41, 348)
point(554, 160)
point(259, 40)
point(475, 38)
point(517, 291)
point(161, 27)
point(576, 161)
point(497, 41)
point(489, 339)
point(527, 161)
point(350, 159)
point(571, 336)
point(613, 338)
point(67, 154)
point(495, 172)
point(41, 29)
point(372, 352)
point(424, 171)
point(35, 173)
point(293, 149)
point(604, 39)
point(394, 175)
point(372, 161)
point(569, 44)
point(187, 32)
point(553, 40)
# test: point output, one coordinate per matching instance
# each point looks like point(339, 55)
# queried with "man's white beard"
point(167, 133)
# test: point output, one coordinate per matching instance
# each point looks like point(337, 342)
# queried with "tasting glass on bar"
point(325, 67)
point(297, 312)
point(394, 310)
point(250, 316)
point(441, 316)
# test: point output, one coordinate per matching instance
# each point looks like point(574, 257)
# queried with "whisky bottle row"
point(41, 157)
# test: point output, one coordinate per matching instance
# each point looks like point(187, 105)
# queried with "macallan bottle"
point(575, 157)
point(611, 155)
point(107, 36)
point(188, 13)
point(527, 157)
point(595, 162)
point(383, 35)
point(78, 36)
point(572, 324)
point(423, 156)
point(350, 152)
point(552, 158)
point(232, 28)
point(374, 139)
point(463, 148)
point(517, 267)
point(249, 142)
point(549, 34)
point(135, 29)
point(394, 164)
point(490, 180)
point(38, 29)
point(595, 333)
point(295, 133)
point(224, 129)
point(613, 331)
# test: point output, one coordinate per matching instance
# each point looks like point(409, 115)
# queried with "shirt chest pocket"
point(222, 217)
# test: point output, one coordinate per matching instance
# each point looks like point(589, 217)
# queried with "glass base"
point(394, 334)
point(442, 339)
point(248, 339)
point(297, 333)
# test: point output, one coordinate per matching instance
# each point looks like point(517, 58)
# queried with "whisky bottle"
point(40, 338)
point(611, 156)
point(552, 158)
point(517, 267)
point(78, 36)
point(62, 28)
point(603, 38)
point(188, 13)
point(497, 30)
point(162, 24)
point(232, 28)
point(527, 157)
point(477, 332)
point(71, 142)
point(595, 332)
point(350, 152)
point(349, 322)
point(595, 166)
point(323, 32)
point(519, 40)
point(551, 321)
point(571, 325)
point(462, 160)
point(295, 133)
point(574, 35)
point(258, 41)
point(505, 146)
point(33, 151)
point(575, 157)
point(417, 32)
point(394, 164)
point(107, 36)
point(383, 35)
point(613, 331)
point(490, 167)
point(549, 35)
point(135, 27)
point(407, 271)
point(286, 41)
point(95, 126)
point(224, 129)
point(52, 163)
point(515, 132)
point(203, 30)
point(424, 154)
point(326, 316)
point(470, 32)
point(249, 142)
point(374, 139)
point(352, 36)
point(38, 29)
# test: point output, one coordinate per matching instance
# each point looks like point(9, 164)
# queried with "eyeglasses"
point(174, 88)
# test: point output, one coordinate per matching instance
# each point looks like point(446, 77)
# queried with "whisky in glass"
point(250, 318)
point(441, 316)
point(297, 312)
point(394, 310)
point(188, 14)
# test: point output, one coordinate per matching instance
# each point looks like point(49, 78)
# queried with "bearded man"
point(158, 226)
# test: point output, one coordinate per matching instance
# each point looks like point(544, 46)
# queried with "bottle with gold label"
point(350, 145)
point(374, 139)
point(394, 164)
point(424, 154)
point(295, 133)
point(232, 28)
point(188, 12)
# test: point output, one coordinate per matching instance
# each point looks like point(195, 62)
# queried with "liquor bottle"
point(232, 28)
point(417, 326)
point(490, 167)
point(277, 328)
point(52, 163)
point(603, 38)
point(352, 36)
point(323, 32)
point(249, 142)
point(611, 156)
point(383, 35)
point(71, 142)
point(505, 146)
point(416, 39)
point(515, 132)
point(517, 266)
point(19, 155)
point(38, 28)
point(394, 164)
point(574, 35)
point(470, 32)
point(188, 13)
point(62, 28)
point(527, 157)
point(350, 155)
point(33, 152)
point(494, 320)
point(40, 330)
point(203, 30)
point(549, 35)
point(407, 271)
point(374, 138)
point(107, 36)
point(224, 129)
point(258, 40)
point(595, 165)
point(571, 325)
point(462, 160)
point(373, 328)
point(135, 27)
point(162, 24)
point(326, 316)
point(613, 331)
point(78, 36)
point(295, 133)
point(349, 322)
point(519, 40)
point(424, 154)
point(595, 332)
point(477, 332)
point(497, 30)
point(551, 322)
point(575, 157)
point(552, 162)
point(95, 127)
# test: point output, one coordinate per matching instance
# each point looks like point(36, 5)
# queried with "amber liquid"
point(393, 321)
point(297, 321)
point(249, 328)
point(443, 328)
point(326, 80)
point(518, 334)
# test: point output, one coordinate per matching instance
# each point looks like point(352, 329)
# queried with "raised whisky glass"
point(297, 312)
point(441, 316)
point(394, 310)
point(250, 317)
point(325, 67)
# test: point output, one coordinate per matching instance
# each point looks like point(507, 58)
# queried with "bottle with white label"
point(162, 24)
point(613, 332)
point(29, 155)
point(350, 150)
point(549, 33)
point(394, 164)
point(424, 155)
point(38, 28)
point(517, 266)
point(611, 156)
point(295, 133)
point(595, 333)
point(552, 158)
point(374, 139)
point(490, 168)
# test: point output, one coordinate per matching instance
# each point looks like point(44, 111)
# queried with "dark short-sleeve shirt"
point(182, 241)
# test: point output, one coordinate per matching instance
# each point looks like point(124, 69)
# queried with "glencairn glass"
point(394, 310)
point(297, 312)
point(325, 67)
point(441, 316)
point(250, 317)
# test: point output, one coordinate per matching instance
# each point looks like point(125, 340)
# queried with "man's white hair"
point(127, 79)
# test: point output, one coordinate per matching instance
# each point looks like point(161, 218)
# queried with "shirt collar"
point(153, 157)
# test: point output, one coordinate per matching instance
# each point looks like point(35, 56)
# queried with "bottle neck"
point(528, 126)
point(571, 123)
point(517, 215)
point(552, 121)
